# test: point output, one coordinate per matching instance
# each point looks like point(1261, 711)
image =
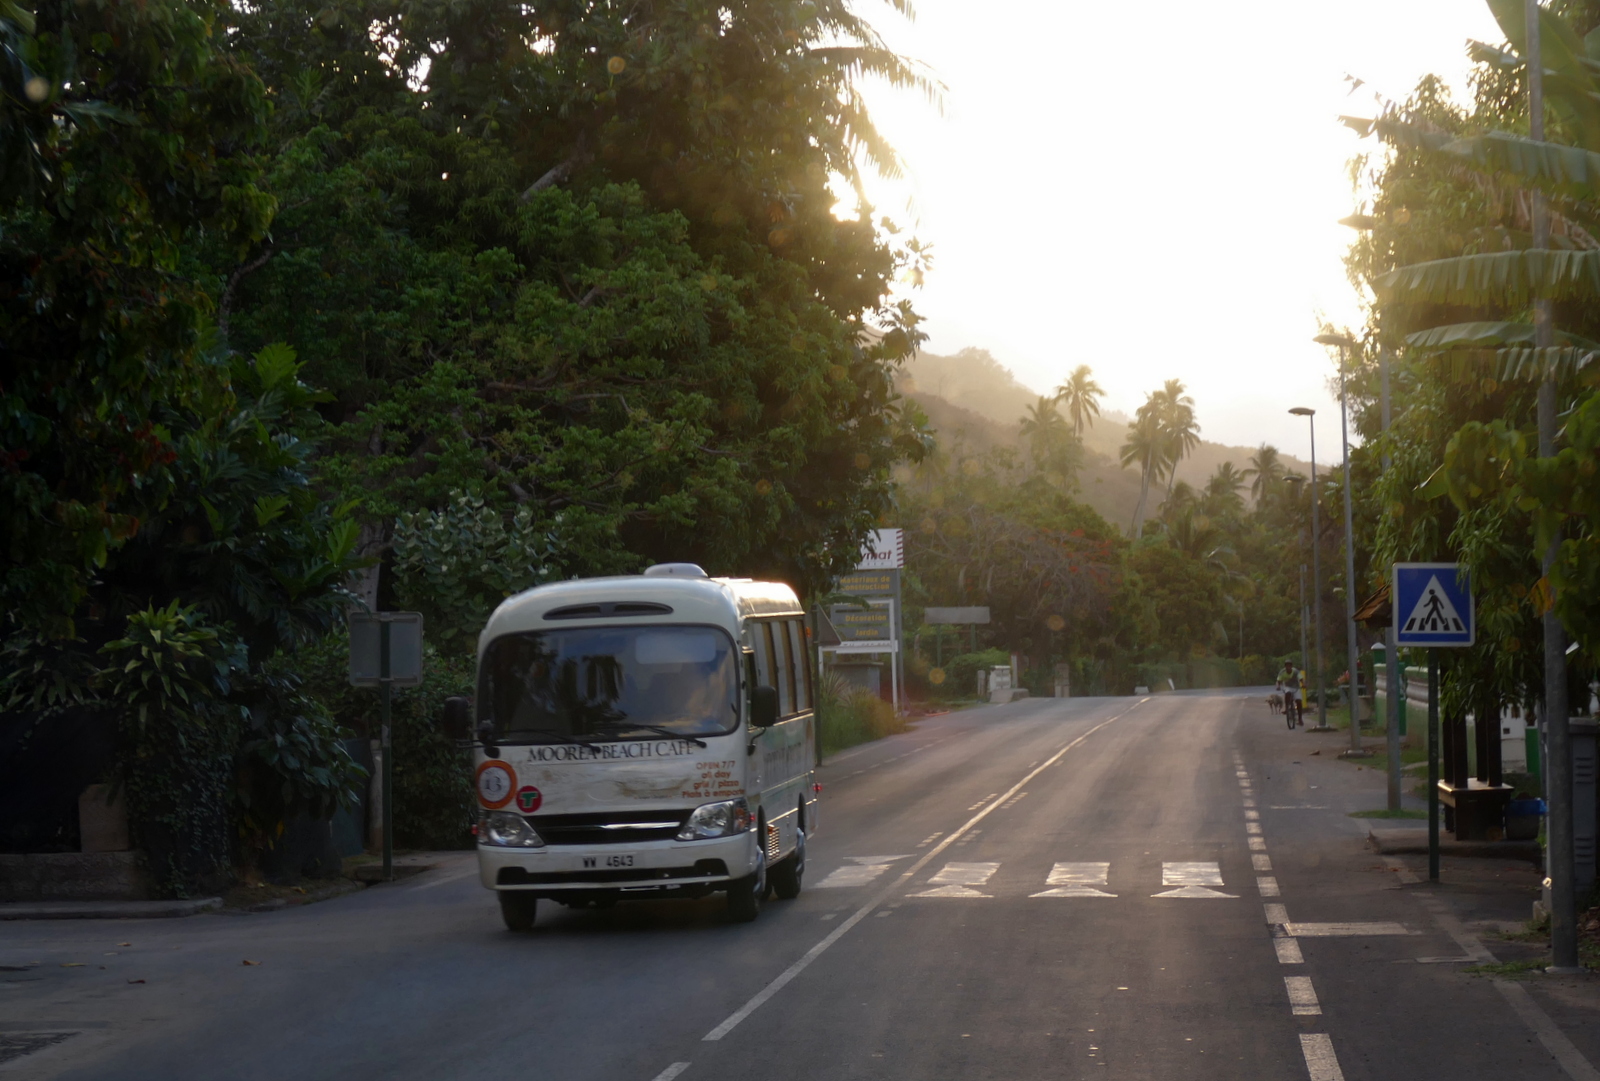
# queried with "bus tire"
point(746, 894)
point(518, 909)
point(787, 876)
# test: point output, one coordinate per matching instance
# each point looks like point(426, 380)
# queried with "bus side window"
point(783, 663)
point(802, 664)
point(761, 636)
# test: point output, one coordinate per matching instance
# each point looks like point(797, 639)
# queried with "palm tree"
point(1182, 498)
point(1081, 395)
point(1265, 473)
point(1043, 428)
point(1222, 498)
point(1146, 447)
point(1178, 425)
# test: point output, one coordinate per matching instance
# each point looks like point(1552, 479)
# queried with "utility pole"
point(1353, 659)
point(1395, 700)
point(1316, 574)
point(1559, 861)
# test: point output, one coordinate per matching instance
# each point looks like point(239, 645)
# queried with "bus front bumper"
point(650, 866)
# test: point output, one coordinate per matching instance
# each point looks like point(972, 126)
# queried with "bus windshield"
point(610, 682)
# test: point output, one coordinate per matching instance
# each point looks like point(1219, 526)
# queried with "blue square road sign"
point(1432, 605)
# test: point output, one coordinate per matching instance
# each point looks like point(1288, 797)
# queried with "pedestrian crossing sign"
point(1432, 605)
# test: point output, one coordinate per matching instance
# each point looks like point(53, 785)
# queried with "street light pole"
point(1353, 661)
point(1396, 699)
point(1316, 573)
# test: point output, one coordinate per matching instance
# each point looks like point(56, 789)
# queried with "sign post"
point(1433, 607)
point(876, 628)
point(385, 652)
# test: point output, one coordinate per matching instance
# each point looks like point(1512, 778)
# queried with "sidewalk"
point(1482, 902)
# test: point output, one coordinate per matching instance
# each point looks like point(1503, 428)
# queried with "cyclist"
point(1289, 680)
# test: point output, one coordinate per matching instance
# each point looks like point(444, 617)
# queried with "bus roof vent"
point(610, 608)
point(675, 570)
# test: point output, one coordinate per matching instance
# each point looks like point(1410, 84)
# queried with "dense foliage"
point(572, 286)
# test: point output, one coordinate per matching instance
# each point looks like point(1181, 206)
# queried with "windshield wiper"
point(657, 729)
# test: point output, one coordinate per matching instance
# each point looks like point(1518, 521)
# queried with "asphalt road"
point(1093, 888)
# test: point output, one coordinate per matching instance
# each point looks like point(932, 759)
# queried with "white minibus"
point(644, 736)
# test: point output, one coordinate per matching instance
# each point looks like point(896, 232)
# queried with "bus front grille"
point(609, 828)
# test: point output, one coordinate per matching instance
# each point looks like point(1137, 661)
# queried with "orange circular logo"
point(497, 782)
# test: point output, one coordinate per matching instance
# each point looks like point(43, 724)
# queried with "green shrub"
point(849, 715)
point(961, 672)
point(433, 803)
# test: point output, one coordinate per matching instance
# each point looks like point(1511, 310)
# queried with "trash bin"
point(1522, 819)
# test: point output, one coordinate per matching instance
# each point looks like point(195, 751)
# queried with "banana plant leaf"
point(1568, 170)
point(1559, 45)
point(1509, 278)
point(1570, 90)
point(1513, 365)
point(1485, 335)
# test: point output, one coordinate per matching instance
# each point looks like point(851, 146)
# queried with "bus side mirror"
point(458, 717)
point(764, 707)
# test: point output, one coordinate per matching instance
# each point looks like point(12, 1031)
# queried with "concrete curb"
point(106, 910)
point(1414, 842)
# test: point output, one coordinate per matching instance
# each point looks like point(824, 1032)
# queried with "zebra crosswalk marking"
point(862, 871)
point(1077, 880)
point(957, 880)
point(1192, 880)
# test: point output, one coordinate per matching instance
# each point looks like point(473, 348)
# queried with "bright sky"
point(1153, 189)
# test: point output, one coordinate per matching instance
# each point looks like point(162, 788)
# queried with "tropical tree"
point(1081, 395)
point(1179, 427)
point(1221, 498)
point(1265, 473)
point(1147, 447)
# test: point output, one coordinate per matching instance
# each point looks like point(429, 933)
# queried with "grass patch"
point(1386, 813)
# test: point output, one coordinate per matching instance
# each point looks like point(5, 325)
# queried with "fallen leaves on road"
point(135, 981)
point(124, 943)
point(73, 964)
point(252, 962)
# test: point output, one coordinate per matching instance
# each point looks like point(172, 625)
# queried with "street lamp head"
point(1302, 411)
point(1343, 341)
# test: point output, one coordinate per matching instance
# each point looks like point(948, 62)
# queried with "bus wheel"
point(787, 875)
point(518, 910)
point(745, 894)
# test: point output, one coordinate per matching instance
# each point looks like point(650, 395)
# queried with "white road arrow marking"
point(956, 880)
point(1193, 880)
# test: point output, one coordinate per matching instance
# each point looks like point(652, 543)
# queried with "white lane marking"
point(672, 1071)
point(955, 879)
point(1345, 930)
point(1288, 950)
point(783, 978)
point(1278, 914)
point(932, 837)
point(865, 870)
point(1249, 802)
point(1014, 800)
point(984, 800)
point(1261, 862)
point(1555, 1041)
point(428, 885)
point(1257, 844)
point(1193, 880)
point(1302, 996)
point(1268, 886)
point(1077, 880)
point(1298, 807)
point(1252, 816)
point(1253, 828)
point(1321, 1063)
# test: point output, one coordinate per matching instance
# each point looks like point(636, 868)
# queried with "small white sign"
point(883, 551)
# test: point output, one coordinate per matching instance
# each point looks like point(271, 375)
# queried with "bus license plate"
point(619, 861)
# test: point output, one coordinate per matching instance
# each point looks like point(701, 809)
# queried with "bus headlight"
point(724, 819)
point(507, 830)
